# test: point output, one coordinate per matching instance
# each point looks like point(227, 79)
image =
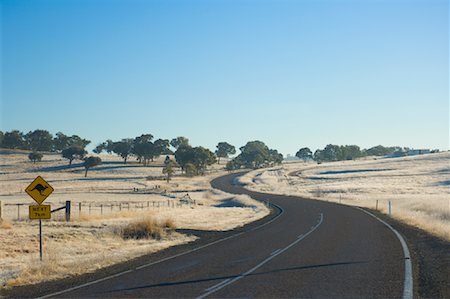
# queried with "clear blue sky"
point(289, 73)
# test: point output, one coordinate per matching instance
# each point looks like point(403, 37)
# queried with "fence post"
point(68, 210)
point(79, 208)
point(1, 212)
point(101, 209)
point(389, 208)
point(18, 211)
point(376, 206)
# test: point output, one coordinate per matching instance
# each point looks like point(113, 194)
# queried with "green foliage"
point(90, 162)
point(255, 154)
point(190, 169)
point(35, 157)
point(13, 140)
point(232, 165)
point(168, 168)
point(62, 141)
point(304, 154)
point(39, 140)
point(224, 149)
point(199, 157)
point(123, 148)
point(179, 141)
point(380, 150)
point(72, 153)
point(2, 135)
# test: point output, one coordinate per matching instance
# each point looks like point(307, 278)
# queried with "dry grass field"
point(113, 198)
point(418, 187)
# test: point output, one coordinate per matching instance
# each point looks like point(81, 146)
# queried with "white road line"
point(408, 282)
point(218, 285)
point(275, 251)
point(299, 236)
point(159, 261)
point(221, 286)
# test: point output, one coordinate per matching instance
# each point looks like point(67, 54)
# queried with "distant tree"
point(123, 148)
point(350, 152)
point(179, 141)
point(14, 140)
point(90, 162)
point(232, 165)
point(35, 157)
point(199, 157)
point(380, 150)
point(256, 154)
point(224, 149)
point(76, 140)
point(2, 135)
point(275, 157)
point(304, 154)
point(190, 170)
point(39, 140)
point(168, 168)
point(162, 147)
point(99, 148)
point(318, 155)
point(73, 152)
point(60, 142)
point(143, 148)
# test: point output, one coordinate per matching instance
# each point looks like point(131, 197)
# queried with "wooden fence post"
point(68, 206)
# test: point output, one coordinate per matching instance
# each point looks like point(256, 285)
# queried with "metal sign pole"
point(40, 239)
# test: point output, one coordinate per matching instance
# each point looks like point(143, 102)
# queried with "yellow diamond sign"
point(39, 190)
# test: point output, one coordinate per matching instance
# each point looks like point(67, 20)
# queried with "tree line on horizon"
point(333, 152)
point(192, 160)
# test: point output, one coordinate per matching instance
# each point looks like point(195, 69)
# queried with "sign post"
point(39, 190)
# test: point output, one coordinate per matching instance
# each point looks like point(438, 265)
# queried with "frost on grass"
point(94, 238)
point(418, 187)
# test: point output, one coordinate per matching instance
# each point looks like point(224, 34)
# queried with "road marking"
point(299, 236)
point(275, 251)
point(220, 286)
point(408, 282)
point(162, 260)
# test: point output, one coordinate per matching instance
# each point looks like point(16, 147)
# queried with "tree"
point(168, 168)
point(162, 147)
point(123, 148)
point(60, 142)
point(256, 154)
point(73, 152)
point(13, 140)
point(35, 156)
point(143, 148)
point(304, 154)
point(190, 170)
point(91, 162)
point(179, 141)
point(39, 140)
point(224, 149)
point(76, 140)
point(199, 157)
point(2, 135)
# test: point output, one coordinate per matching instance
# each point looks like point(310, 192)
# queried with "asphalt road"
point(310, 250)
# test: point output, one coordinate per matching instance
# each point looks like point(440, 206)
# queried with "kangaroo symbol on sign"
point(39, 188)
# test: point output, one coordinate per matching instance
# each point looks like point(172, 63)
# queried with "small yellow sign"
point(39, 190)
point(40, 212)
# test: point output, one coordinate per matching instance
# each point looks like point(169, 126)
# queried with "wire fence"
point(19, 211)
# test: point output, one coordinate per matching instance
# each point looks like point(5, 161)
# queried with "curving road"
point(310, 249)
